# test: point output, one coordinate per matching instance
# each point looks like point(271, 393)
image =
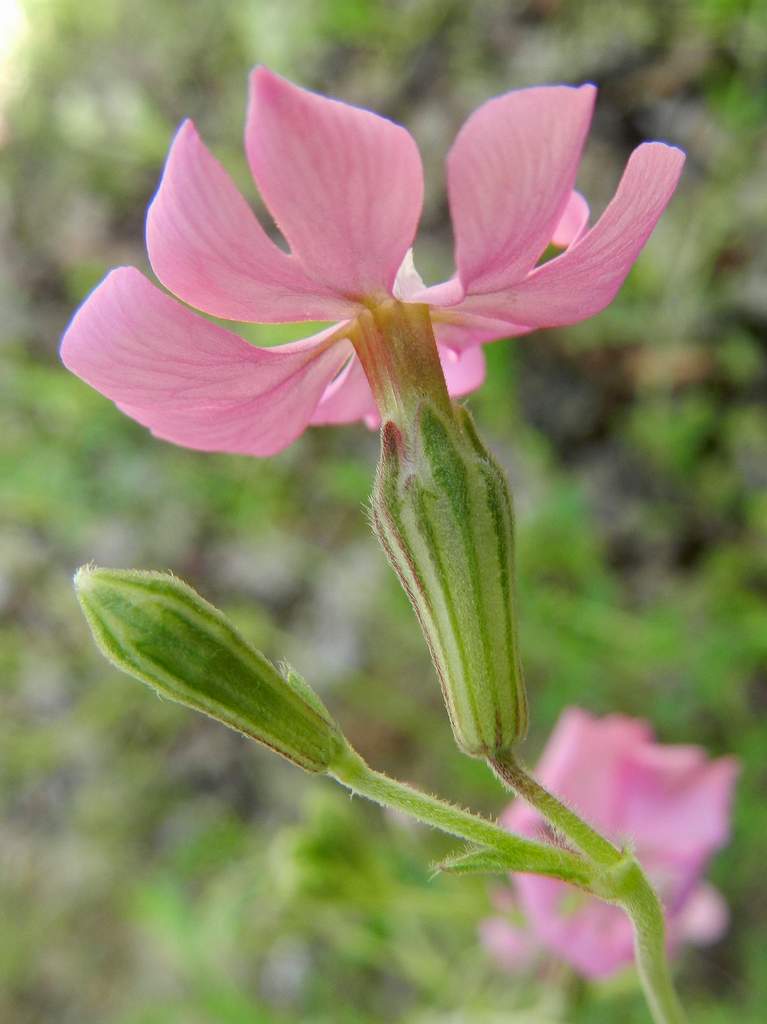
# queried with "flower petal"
point(464, 371)
point(407, 281)
point(704, 917)
point(344, 185)
point(446, 293)
point(586, 277)
point(347, 399)
point(459, 331)
point(512, 948)
point(206, 246)
point(593, 937)
point(510, 174)
point(189, 380)
point(680, 801)
point(670, 802)
point(572, 223)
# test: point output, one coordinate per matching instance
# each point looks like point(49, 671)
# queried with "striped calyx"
point(442, 511)
point(157, 629)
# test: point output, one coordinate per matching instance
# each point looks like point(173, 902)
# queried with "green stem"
point(641, 903)
point(395, 343)
point(519, 854)
point(620, 881)
point(581, 834)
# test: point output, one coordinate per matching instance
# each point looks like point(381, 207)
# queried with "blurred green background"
point(155, 868)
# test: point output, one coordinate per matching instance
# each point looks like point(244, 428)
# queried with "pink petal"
point(676, 802)
point(593, 937)
point(703, 919)
point(464, 371)
point(454, 330)
point(344, 185)
point(586, 277)
point(510, 174)
point(206, 245)
point(672, 801)
point(572, 223)
point(446, 293)
point(347, 399)
point(460, 331)
point(407, 280)
point(190, 381)
point(513, 949)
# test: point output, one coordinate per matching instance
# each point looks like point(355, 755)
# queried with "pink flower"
point(670, 803)
point(345, 188)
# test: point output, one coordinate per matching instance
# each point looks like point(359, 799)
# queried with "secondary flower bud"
point(442, 511)
point(156, 628)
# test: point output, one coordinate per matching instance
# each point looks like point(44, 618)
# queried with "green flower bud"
point(442, 511)
point(156, 628)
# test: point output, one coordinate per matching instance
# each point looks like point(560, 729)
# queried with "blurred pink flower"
point(671, 803)
point(345, 189)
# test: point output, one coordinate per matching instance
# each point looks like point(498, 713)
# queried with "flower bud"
point(442, 511)
point(156, 628)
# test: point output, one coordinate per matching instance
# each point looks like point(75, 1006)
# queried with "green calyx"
point(442, 511)
point(159, 630)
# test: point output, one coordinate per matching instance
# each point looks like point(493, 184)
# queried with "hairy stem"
point(620, 880)
point(519, 854)
point(643, 907)
point(581, 834)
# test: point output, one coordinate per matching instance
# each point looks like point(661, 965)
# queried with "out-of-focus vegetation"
point(156, 868)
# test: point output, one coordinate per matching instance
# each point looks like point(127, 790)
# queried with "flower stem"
point(519, 854)
point(395, 343)
point(622, 882)
point(641, 903)
point(574, 828)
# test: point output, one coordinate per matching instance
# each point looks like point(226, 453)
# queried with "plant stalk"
point(574, 828)
point(519, 854)
point(622, 882)
point(642, 905)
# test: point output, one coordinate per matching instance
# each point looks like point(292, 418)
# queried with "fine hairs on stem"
point(622, 874)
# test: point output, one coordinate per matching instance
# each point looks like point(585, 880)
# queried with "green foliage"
point(155, 868)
